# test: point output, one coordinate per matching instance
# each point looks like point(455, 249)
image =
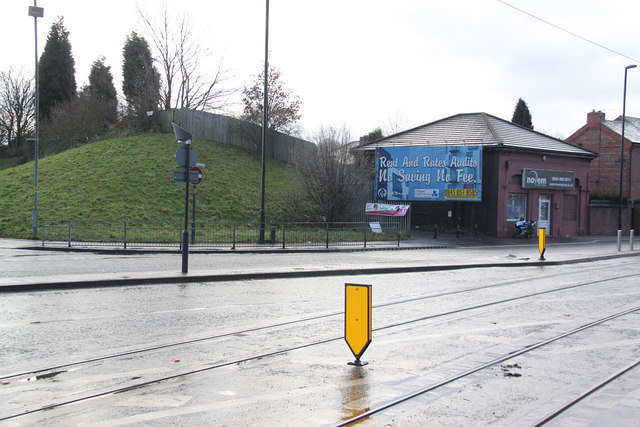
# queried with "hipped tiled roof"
point(479, 129)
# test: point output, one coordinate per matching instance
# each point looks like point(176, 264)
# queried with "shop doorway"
point(544, 213)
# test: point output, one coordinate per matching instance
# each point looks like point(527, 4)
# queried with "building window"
point(516, 207)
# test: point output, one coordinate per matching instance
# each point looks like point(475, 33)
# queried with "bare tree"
point(17, 112)
point(331, 175)
point(396, 123)
point(185, 81)
point(76, 122)
point(283, 107)
point(163, 41)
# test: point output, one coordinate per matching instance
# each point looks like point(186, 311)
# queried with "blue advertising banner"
point(448, 173)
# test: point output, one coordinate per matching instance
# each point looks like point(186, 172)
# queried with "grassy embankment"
point(131, 179)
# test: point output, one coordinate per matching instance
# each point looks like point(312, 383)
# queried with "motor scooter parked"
point(524, 228)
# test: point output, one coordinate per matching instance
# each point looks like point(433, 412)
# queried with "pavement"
point(29, 266)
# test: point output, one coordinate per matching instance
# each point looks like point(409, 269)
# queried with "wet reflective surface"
point(271, 352)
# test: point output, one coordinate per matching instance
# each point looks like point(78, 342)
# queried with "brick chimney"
point(594, 118)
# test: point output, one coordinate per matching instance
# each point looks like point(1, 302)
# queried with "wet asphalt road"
point(313, 385)
point(22, 265)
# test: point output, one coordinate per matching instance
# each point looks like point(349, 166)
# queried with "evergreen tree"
point(102, 90)
point(57, 70)
point(374, 135)
point(521, 115)
point(141, 81)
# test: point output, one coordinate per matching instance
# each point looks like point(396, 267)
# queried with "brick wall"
point(603, 219)
point(634, 156)
point(605, 169)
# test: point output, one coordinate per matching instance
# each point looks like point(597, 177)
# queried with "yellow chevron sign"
point(357, 319)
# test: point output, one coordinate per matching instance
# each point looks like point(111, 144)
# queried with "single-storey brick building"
point(481, 172)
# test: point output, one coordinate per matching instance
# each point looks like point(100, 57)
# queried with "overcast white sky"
point(363, 63)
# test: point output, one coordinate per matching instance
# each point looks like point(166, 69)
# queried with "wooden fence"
point(228, 130)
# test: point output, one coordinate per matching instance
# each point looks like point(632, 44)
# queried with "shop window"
point(516, 207)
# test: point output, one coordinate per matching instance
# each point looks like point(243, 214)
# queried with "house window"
point(516, 206)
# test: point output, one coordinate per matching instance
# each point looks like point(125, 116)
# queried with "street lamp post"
point(36, 12)
point(264, 122)
point(624, 103)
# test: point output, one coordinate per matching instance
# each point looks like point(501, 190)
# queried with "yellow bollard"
point(542, 241)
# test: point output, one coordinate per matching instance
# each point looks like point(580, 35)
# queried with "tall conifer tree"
point(57, 70)
point(102, 89)
point(521, 115)
point(140, 79)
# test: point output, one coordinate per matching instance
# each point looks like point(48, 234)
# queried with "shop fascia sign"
point(548, 179)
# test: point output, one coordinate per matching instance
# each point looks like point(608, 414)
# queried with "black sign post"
point(196, 169)
point(193, 216)
point(183, 136)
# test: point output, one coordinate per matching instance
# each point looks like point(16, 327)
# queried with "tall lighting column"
point(264, 122)
point(624, 103)
point(36, 12)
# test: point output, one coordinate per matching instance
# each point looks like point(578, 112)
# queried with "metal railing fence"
point(130, 234)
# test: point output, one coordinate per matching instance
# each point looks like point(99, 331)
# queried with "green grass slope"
point(131, 179)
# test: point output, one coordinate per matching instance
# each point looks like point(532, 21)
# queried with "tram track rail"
point(4, 377)
point(493, 362)
point(309, 344)
point(586, 394)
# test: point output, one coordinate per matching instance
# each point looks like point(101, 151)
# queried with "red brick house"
point(604, 137)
